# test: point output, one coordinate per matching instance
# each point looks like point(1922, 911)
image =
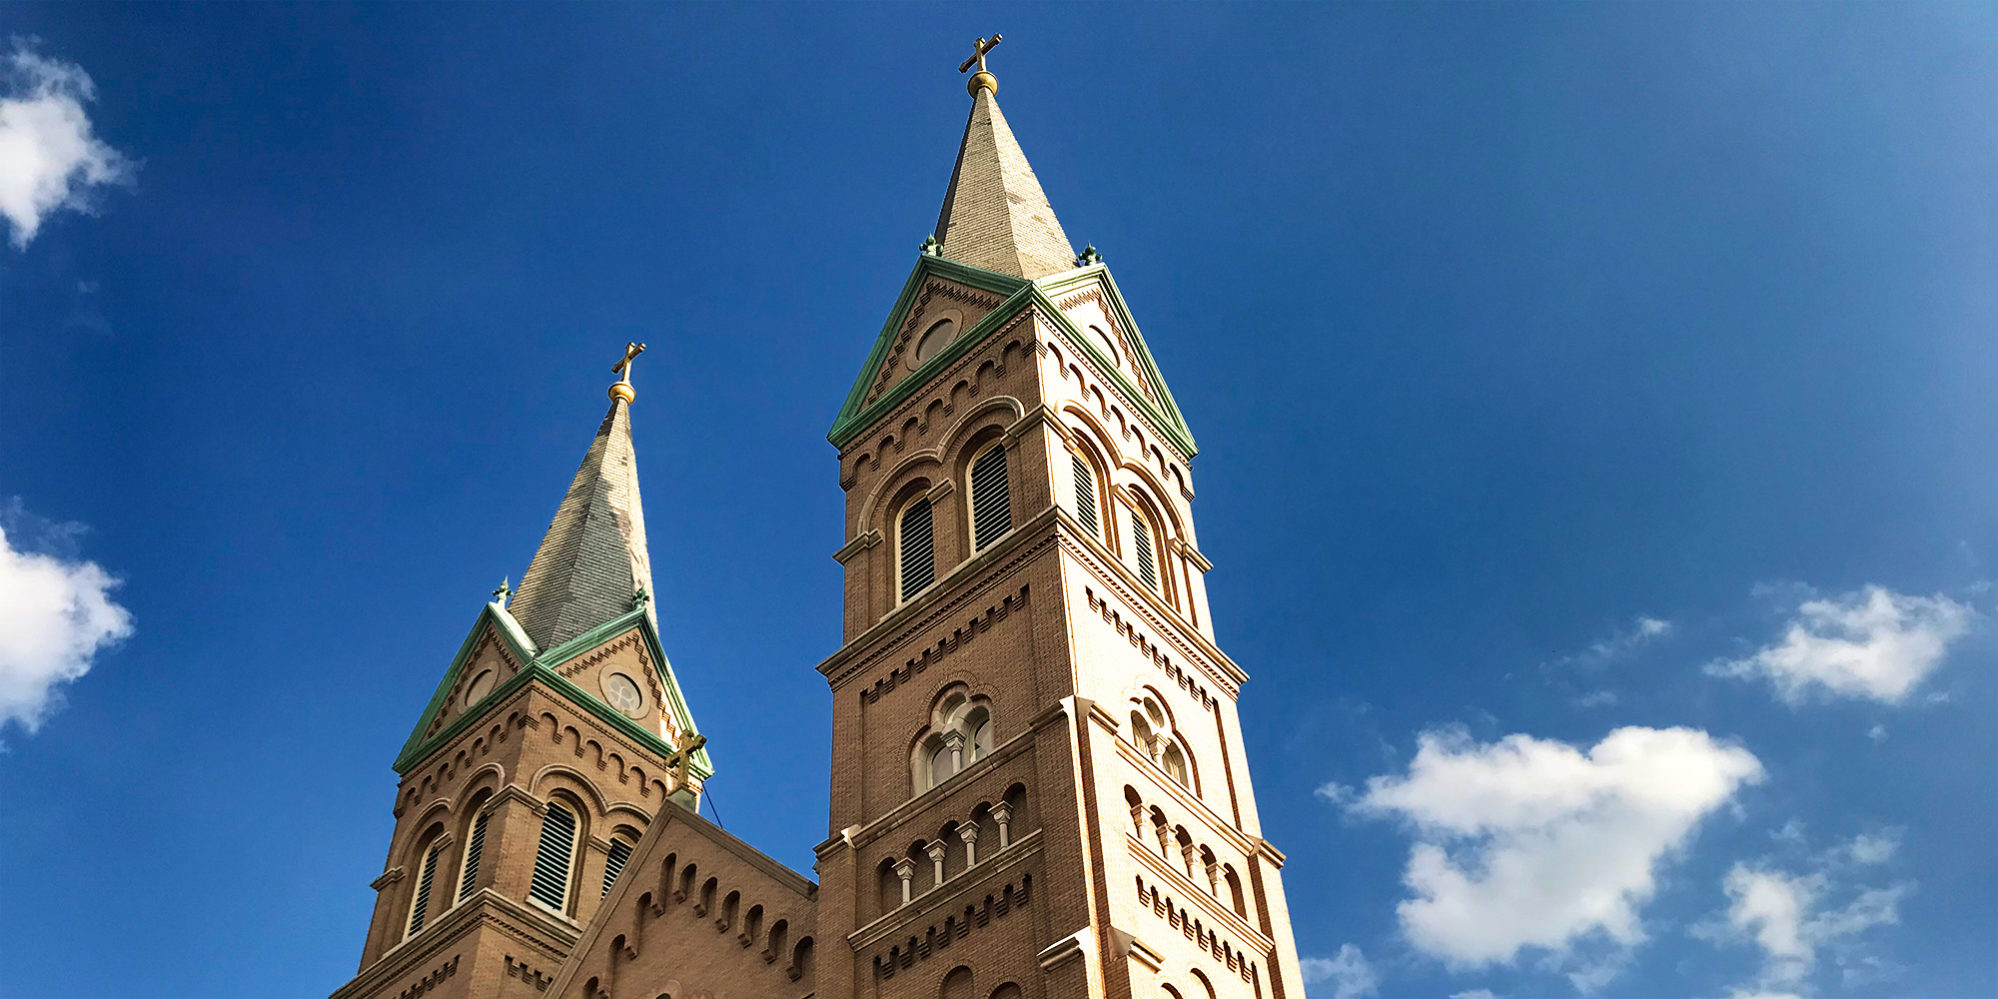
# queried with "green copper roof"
point(544, 667)
point(857, 415)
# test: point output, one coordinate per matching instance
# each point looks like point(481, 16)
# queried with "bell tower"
point(1038, 780)
point(556, 737)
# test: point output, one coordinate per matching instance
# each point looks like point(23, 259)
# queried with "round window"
point(480, 686)
point(622, 693)
point(939, 336)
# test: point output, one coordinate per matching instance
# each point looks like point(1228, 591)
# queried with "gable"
point(939, 300)
point(578, 670)
point(888, 377)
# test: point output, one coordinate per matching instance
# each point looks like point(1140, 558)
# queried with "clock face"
point(622, 693)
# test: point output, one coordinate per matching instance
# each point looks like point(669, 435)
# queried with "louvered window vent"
point(474, 845)
point(1148, 567)
point(991, 509)
point(1085, 497)
point(421, 907)
point(620, 855)
point(551, 860)
point(918, 547)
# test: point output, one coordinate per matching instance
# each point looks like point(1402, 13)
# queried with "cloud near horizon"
point(56, 614)
point(1529, 843)
point(1873, 643)
point(50, 157)
point(1785, 914)
point(1347, 972)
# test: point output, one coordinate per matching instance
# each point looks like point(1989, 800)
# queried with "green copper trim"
point(543, 667)
point(926, 266)
point(855, 418)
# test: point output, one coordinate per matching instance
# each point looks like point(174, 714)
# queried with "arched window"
point(1174, 763)
point(915, 549)
point(961, 736)
point(991, 507)
point(1085, 497)
point(1142, 557)
point(553, 857)
point(934, 340)
point(620, 855)
point(419, 907)
point(475, 844)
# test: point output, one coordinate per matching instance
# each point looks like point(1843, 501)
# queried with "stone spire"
point(592, 564)
point(995, 215)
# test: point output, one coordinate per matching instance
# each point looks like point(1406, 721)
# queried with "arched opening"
point(991, 503)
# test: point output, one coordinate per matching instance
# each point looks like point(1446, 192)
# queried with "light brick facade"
point(1038, 782)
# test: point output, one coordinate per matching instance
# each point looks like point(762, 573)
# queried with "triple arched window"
point(961, 736)
point(1151, 732)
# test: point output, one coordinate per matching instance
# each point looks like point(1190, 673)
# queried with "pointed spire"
point(995, 215)
point(593, 564)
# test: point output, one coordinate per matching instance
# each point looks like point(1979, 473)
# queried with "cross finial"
point(685, 745)
point(505, 590)
point(982, 78)
point(622, 390)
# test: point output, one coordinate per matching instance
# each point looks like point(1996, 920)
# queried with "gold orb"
point(622, 390)
point(982, 79)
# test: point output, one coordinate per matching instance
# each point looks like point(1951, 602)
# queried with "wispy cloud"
point(1873, 643)
point(1617, 644)
point(1535, 843)
point(1793, 915)
point(56, 614)
point(1347, 972)
point(50, 157)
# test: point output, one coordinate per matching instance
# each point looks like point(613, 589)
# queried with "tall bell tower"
point(1038, 780)
point(557, 736)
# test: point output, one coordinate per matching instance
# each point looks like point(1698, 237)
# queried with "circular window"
point(480, 686)
point(622, 693)
point(1101, 341)
point(936, 339)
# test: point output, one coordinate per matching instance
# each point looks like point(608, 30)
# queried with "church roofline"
point(858, 415)
point(419, 748)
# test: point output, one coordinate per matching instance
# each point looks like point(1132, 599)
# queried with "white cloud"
point(1874, 643)
point(1642, 631)
point(1347, 971)
point(49, 157)
point(1877, 733)
point(1474, 994)
point(1788, 915)
point(55, 615)
point(1534, 843)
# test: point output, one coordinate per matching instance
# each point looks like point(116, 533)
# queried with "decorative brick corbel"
point(388, 877)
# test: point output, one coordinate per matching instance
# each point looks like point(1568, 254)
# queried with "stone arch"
point(957, 984)
point(558, 775)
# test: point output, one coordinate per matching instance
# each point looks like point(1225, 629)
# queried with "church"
point(1038, 783)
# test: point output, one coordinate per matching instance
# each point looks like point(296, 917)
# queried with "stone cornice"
point(1247, 844)
point(889, 820)
point(530, 926)
point(1221, 914)
point(866, 540)
point(1162, 618)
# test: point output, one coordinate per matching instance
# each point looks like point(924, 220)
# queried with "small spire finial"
point(981, 79)
point(505, 590)
point(622, 389)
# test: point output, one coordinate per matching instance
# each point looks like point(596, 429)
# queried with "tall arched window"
point(915, 549)
point(991, 507)
point(1142, 556)
point(475, 844)
point(419, 907)
point(1085, 497)
point(553, 857)
point(620, 855)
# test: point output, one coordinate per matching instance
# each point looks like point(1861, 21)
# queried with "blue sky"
point(1596, 407)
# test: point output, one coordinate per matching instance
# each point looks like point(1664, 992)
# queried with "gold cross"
point(982, 46)
point(684, 748)
point(623, 368)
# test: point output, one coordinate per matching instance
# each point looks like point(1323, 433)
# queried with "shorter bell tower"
point(556, 737)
